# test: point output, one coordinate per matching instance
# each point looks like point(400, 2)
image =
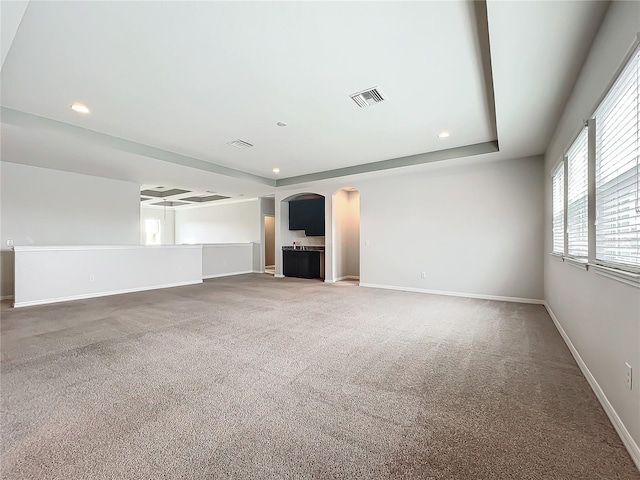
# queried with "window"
point(577, 197)
point(558, 209)
point(618, 170)
point(152, 231)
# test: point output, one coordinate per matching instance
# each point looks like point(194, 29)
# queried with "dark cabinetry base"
point(301, 263)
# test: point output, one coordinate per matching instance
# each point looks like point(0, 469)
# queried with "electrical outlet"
point(92, 278)
point(423, 275)
point(366, 243)
point(9, 243)
point(629, 376)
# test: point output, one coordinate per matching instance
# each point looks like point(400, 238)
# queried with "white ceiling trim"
point(419, 159)
point(23, 119)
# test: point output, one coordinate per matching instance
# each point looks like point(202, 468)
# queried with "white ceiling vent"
point(367, 97)
point(240, 144)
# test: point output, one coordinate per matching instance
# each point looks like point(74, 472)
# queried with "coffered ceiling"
point(170, 84)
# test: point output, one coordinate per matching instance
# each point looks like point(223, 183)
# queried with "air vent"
point(240, 144)
point(367, 97)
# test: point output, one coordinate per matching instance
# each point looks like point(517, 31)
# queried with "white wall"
point(227, 223)
point(55, 274)
point(167, 223)
point(475, 229)
point(268, 205)
point(221, 260)
point(600, 316)
point(49, 207)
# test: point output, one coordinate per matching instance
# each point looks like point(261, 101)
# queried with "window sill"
point(628, 278)
point(582, 264)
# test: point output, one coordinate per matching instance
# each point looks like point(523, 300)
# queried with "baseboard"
point(85, 296)
point(625, 436)
point(6, 297)
point(279, 275)
point(218, 275)
point(456, 294)
point(348, 277)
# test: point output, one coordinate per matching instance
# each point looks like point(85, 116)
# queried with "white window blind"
point(577, 197)
point(618, 170)
point(558, 209)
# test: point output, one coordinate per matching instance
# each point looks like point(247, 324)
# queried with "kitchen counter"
point(305, 248)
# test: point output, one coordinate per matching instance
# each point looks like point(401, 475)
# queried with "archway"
point(302, 220)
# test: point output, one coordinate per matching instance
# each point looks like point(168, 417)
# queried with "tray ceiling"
point(176, 82)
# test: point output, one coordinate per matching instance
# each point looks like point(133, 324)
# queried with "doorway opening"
point(346, 236)
point(270, 244)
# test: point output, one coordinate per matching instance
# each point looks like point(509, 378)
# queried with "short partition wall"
point(60, 273)
point(223, 259)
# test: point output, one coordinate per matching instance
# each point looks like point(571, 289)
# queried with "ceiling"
point(163, 196)
point(169, 84)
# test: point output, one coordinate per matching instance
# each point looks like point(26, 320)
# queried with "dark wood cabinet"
point(301, 263)
point(307, 215)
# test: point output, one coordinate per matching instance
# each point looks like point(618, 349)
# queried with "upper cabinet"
point(307, 215)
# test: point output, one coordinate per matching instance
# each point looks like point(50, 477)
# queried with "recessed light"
point(281, 124)
point(276, 170)
point(443, 134)
point(80, 108)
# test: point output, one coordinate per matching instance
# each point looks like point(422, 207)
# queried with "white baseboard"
point(625, 436)
point(348, 277)
point(6, 297)
point(84, 296)
point(456, 294)
point(218, 275)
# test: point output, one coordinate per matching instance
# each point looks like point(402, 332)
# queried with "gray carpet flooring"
point(256, 377)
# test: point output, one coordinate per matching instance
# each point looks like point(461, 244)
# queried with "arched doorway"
point(302, 236)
